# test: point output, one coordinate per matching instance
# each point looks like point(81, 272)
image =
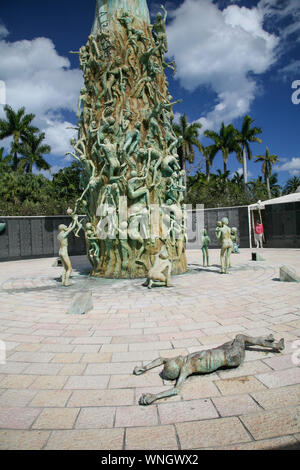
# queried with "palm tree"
point(275, 188)
point(225, 142)
point(209, 155)
point(292, 185)
point(238, 179)
point(5, 161)
point(32, 151)
point(267, 161)
point(16, 125)
point(245, 137)
point(189, 135)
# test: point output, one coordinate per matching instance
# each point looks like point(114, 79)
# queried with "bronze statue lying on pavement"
point(229, 354)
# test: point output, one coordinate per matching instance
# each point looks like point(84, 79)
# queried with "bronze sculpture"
point(126, 139)
point(230, 354)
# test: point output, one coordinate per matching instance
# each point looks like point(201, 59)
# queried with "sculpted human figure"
point(143, 90)
point(174, 184)
point(108, 127)
point(92, 184)
point(94, 47)
point(205, 240)
point(155, 157)
point(112, 76)
point(62, 237)
point(110, 153)
point(160, 273)
point(84, 100)
point(78, 224)
point(230, 354)
point(132, 140)
point(126, 251)
point(83, 56)
point(172, 219)
point(137, 193)
point(79, 146)
point(159, 30)
point(224, 235)
point(218, 228)
point(172, 149)
point(137, 35)
point(126, 21)
point(145, 58)
point(138, 228)
point(170, 165)
point(94, 250)
point(170, 65)
point(234, 240)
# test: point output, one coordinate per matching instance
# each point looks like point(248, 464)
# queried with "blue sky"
point(233, 58)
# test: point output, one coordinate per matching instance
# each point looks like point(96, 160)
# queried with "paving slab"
point(67, 381)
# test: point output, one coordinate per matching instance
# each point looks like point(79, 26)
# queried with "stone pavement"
point(67, 382)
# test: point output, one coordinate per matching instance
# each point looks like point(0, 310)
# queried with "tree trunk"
point(268, 188)
point(185, 178)
point(207, 169)
point(245, 167)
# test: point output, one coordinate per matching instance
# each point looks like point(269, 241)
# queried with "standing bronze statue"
point(62, 237)
point(205, 241)
point(223, 234)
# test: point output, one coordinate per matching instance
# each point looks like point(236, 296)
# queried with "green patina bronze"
point(230, 354)
point(126, 144)
point(2, 226)
point(205, 244)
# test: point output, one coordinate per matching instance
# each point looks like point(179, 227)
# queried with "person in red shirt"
point(258, 234)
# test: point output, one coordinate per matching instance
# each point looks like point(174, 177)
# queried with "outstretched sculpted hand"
point(138, 370)
point(147, 399)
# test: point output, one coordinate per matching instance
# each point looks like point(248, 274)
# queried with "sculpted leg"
point(168, 277)
point(157, 362)
point(264, 341)
point(63, 277)
point(223, 261)
point(67, 271)
point(227, 259)
point(207, 257)
point(203, 255)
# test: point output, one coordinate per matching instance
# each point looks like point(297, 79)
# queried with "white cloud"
point(177, 117)
point(220, 49)
point(290, 70)
point(37, 77)
point(3, 31)
point(284, 15)
point(58, 135)
point(292, 166)
point(48, 173)
point(155, 7)
point(240, 172)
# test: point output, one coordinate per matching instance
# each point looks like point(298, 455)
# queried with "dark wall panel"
point(4, 242)
point(47, 235)
point(14, 245)
point(36, 236)
point(282, 225)
point(25, 237)
point(237, 216)
point(29, 237)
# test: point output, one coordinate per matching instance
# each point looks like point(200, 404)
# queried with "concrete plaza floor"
point(67, 382)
